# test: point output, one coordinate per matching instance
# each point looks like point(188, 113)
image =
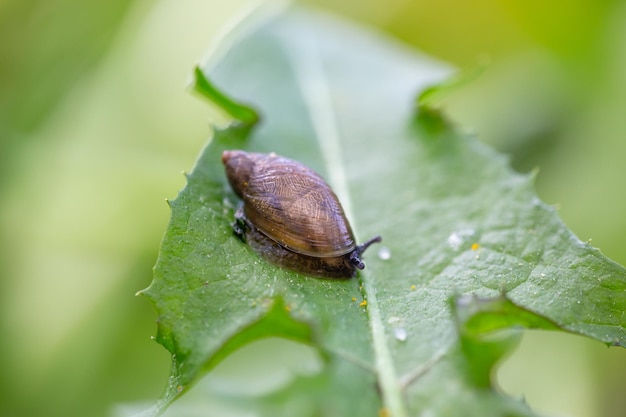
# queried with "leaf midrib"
point(313, 83)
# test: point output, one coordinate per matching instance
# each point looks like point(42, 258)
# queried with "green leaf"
point(470, 253)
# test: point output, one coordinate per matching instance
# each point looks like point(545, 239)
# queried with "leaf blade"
point(454, 217)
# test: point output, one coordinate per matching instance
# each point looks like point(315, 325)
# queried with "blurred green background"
point(96, 124)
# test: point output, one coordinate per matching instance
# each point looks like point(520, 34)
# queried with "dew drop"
point(400, 333)
point(456, 239)
point(384, 253)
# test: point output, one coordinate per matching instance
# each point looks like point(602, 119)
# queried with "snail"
point(291, 217)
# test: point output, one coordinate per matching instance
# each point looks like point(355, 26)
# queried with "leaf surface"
point(468, 248)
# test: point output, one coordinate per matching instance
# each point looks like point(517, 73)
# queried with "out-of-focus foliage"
point(45, 47)
point(95, 124)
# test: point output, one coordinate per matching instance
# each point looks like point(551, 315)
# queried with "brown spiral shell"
point(291, 216)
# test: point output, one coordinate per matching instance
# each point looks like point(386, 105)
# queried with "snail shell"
point(291, 216)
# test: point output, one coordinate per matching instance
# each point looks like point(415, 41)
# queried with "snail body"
point(291, 217)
